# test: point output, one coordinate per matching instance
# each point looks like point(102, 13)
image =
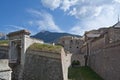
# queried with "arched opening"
point(75, 63)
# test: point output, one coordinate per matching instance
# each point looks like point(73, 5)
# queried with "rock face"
point(42, 66)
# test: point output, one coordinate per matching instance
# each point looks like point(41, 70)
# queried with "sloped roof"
point(117, 24)
point(92, 35)
point(19, 32)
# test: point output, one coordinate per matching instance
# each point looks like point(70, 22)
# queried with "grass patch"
point(45, 47)
point(82, 73)
point(3, 42)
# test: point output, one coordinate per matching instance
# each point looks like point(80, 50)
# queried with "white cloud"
point(15, 27)
point(44, 21)
point(73, 11)
point(11, 28)
point(91, 14)
point(76, 30)
point(98, 10)
point(63, 4)
point(118, 1)
point(107, 17)
point(53, 4)
point(66, 4)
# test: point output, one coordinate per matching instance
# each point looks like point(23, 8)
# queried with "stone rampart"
point(105, 61)
point(3, 52)
point(5, 71)
point(43, 65)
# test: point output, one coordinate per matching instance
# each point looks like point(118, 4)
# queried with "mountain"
point(2, 36)
point(50, 37)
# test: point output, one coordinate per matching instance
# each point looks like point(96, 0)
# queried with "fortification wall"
point(3, 52)
point(42, 66)
point(114, 34)
point(29, 41)
point(5, 71)
point(66, 63)
point(78, 57)
point(105, 61)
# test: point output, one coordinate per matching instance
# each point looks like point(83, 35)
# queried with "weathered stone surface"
point(5, 71)
point(105, 61)
point(3, 52)
point(38, 67)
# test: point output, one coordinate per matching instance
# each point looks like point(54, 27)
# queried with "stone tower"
point(19, 41)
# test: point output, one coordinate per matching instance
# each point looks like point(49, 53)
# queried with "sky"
point(71, 16)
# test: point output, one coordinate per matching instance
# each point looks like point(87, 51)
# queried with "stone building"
point(30, 59)
point(72, 45)
point(19, 41)
point(102, 49)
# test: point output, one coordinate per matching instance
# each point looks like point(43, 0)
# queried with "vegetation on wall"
point(46, 47)
point(82, 73)
point(3, 42)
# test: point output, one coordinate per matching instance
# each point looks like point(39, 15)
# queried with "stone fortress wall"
point(5, 70)
point(72, 46)
point(19, 41)
point(42, 66)
point(105, 61)
point(102, 48)
point(3, 52)
point(30, 64)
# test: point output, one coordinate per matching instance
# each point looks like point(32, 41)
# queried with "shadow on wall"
point(75, 63)
point(78, 59)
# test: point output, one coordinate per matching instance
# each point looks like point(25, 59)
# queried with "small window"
point(71, 41)
point(70, 47)
point(63, 42)
point(77, 47)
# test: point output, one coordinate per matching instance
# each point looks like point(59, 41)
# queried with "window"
point(63, 42)
point(71, 41)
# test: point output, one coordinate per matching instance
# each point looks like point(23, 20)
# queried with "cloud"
point(44, 21)
point(11, 28)
point(15, 26)
point(66, 4)
point(62, 4)
point(95, 15)
point(76, 30)
point(90, 14)
point(118, 1)
point(53, 4)
point(106, 17)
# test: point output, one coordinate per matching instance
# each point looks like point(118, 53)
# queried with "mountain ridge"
point(50, 37)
